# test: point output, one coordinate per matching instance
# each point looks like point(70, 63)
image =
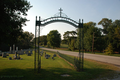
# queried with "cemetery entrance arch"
point(59, 17)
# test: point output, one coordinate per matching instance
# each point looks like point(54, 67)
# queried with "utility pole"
point(93, 43)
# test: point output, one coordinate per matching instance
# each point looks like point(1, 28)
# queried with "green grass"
point(64, 46)
point(51, 69)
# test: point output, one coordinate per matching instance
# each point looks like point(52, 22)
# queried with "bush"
point(109, 49)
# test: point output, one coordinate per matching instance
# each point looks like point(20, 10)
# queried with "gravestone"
point(10, 58)
point(10, 52)
point(41, 53)
point(0, 53)
point(53, 58)
point(26, 52)
point(54, 55)
point(20, 52)
point(4, 54)
point(14, 49)
point(29, 52)
point(16, 56)
point(47, 56)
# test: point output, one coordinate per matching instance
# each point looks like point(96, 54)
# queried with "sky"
point(88, 10)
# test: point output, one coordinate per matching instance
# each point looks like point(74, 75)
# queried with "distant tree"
point(72, 44)
point(25, 41)
point(70, 37)
point(66, 35)
point(105, 22)
point(54, 38)
point(12, 14)
point(43, 40)
point(64, 41)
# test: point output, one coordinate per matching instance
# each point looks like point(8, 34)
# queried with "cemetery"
point(16, 53)
point(57, 68)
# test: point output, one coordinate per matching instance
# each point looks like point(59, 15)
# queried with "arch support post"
point(80, 45)
point(37, 56)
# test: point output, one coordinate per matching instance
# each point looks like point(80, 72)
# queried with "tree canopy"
point(12, 15)
point(54, 38)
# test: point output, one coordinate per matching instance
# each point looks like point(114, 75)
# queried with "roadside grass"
point(51, 69)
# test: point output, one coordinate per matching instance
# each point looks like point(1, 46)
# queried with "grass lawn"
point(52, 69)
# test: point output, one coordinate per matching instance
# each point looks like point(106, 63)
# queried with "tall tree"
point(86, 27)
point(12, 19)
point(54, 38)
point(92, 33)
point(105, 22)
point(116, 38)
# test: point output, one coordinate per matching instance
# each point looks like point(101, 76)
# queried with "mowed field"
point(52, 69)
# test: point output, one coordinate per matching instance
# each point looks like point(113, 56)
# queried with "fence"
point(73, 60)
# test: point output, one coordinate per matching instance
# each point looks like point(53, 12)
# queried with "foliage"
point(64, 41)
point(106, 24)
point(72, 44)
point(25, 41)
point(12, 20)
point(92, 32)
point(43, 40)
point(70, 39)
point(54, 38)
point(102, 37)
point(68, 34)
point(81, 32)
point(116, 38)
point(79, 38)
point(109, 49)
point(110, 30)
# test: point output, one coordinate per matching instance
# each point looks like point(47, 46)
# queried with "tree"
point(86, 27)
point(72, 45)
point(112, 36)
point(12, 21)
point(66, 35)
point(25, 41)
point(109, 49)
point(92, 32)
point(70, 37)
point(54, 38)
point(106, 24)
point(116, 38)
point(43, 40)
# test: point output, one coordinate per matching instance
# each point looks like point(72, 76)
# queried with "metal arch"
point(52, 21)
point(59, 19)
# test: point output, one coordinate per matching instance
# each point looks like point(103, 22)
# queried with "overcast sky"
point(88, 10)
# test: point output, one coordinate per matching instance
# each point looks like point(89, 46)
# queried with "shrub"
point(109, 49)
